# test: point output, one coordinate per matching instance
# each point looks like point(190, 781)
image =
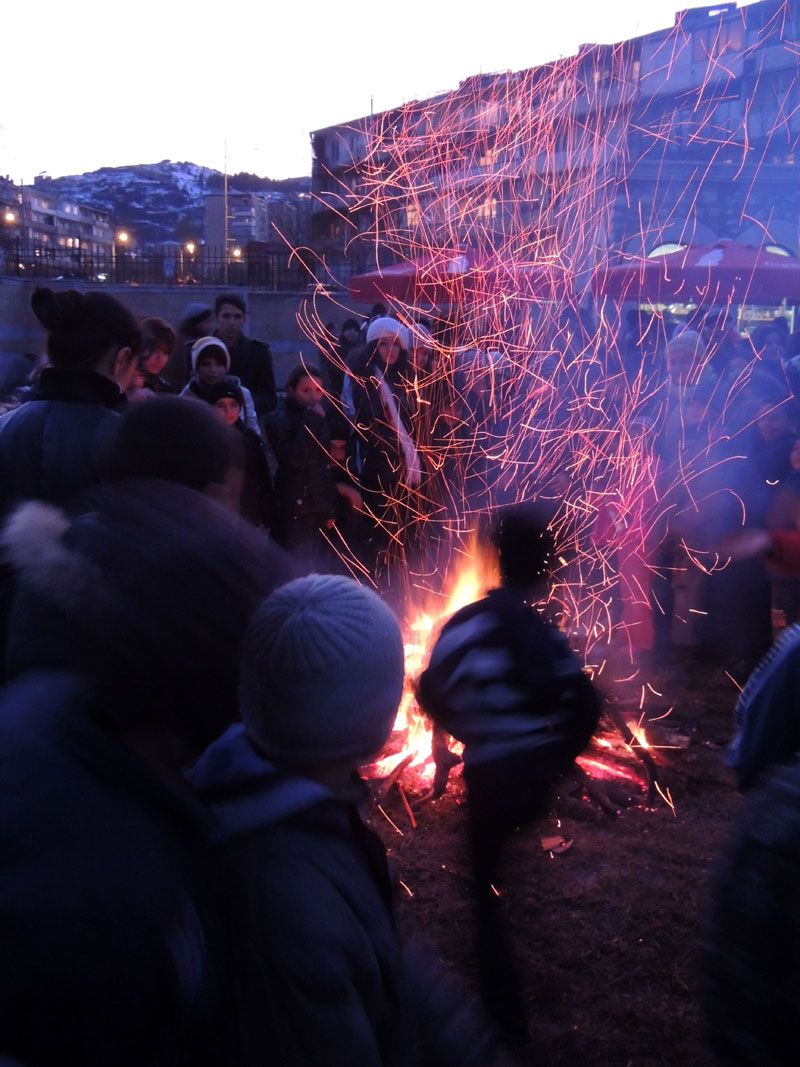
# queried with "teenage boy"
point(250, 360)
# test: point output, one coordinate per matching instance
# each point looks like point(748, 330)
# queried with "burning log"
point(630, 739)
point(595, 793)
point(392, 778)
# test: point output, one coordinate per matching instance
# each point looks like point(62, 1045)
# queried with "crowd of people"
point(186, 874)
point(192, 677)
point(719, 426)
point(341, 466)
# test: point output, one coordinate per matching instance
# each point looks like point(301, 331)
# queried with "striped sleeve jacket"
point(501, 679)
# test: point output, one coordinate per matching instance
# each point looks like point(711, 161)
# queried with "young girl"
point(211, 362)
point(299, 431)
point(159, 344)
point(377, 395)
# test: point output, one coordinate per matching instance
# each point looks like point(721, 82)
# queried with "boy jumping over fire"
point(505, 683)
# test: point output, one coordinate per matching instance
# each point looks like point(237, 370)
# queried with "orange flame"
point(472, 573)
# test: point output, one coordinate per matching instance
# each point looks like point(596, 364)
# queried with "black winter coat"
point(300, 439)
point(257, 498)
point(323, 977)
point(52, 447)
point(107, 920)
point(251, 362)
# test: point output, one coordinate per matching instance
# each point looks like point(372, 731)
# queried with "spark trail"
point(514, 193)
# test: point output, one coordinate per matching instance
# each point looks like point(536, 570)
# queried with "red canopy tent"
point(450, 277)
point(704, 274)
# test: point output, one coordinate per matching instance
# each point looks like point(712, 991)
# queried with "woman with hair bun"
point(51, 447)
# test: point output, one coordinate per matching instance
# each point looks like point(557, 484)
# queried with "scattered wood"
point(390, 779)
point(595, 792)
point(407, 806)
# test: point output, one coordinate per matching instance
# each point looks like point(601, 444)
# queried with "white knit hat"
point(322, 671)
point(207, 342)
point(386, 327)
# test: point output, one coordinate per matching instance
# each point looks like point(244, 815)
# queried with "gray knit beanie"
point(322, 671)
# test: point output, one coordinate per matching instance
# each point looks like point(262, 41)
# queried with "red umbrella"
point(430, 278)
point(452, 277)
point(704, 274)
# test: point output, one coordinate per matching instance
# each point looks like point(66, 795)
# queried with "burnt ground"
point(605, 931)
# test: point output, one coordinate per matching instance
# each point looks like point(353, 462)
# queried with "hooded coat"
point(124, 651)
point(322, 977)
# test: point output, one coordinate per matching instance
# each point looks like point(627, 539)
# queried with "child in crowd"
point(321, 975)
point(256, 498)
point(211, 362)
point(299, 431)
point(505, 682)
point(198, 321)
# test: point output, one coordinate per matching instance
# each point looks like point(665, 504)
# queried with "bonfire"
point(419, 760)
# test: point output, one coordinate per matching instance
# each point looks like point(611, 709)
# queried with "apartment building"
point(688, 134)
point(252, 217)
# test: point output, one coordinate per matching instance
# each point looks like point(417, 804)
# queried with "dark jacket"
point(749, 965)
point(257, 497)
point(300, 439)
point(111, 948)
point(52, 446)
point(126, 634)
point(323, 978)
point(502, 680)
point(767, 713)
point(251, 361)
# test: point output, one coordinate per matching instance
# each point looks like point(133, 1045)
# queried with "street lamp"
point(121, 237)
point(13, 233)
point(190, 248)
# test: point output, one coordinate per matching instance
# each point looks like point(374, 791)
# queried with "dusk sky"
point(93, 85)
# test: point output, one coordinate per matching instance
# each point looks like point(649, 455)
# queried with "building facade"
point(259, 217)
point(44, 232)
point(689, 134)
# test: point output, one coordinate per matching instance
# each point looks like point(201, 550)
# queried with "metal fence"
point(206, 265)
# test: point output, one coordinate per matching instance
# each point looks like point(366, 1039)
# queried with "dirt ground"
point(606, 930)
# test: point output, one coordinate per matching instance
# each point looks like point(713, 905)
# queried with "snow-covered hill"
point(161, 201)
